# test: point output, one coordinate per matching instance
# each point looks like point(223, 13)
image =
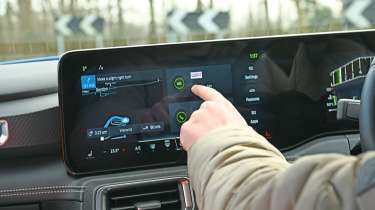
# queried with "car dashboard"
point(99, 129)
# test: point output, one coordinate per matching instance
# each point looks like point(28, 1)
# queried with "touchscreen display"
point(122, 108)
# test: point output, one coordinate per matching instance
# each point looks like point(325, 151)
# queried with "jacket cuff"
point(225, 137)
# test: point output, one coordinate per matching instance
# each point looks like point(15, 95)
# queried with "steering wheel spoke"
point(367, 111)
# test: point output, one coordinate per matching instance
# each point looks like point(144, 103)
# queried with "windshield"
point(38, 28)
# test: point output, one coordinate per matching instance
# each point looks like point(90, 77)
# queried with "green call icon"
point(179, 83)
point(181, 117)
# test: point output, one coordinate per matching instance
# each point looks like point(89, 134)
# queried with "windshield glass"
point(37, 28)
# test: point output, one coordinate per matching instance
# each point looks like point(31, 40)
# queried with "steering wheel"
point(367, 111)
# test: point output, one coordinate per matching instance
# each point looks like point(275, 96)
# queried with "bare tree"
point(280, 17)
point(268, 24)
point(199, 5)
point(49, 8)
point(62, 6)
point(73, 7)
point(300, 14)
point(25, 14)
point(120, 13)
point(251, 18)
point(152, 29)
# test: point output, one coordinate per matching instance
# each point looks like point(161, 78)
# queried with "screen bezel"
point(78, 53)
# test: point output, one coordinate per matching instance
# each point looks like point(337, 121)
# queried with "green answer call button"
point(181, 117)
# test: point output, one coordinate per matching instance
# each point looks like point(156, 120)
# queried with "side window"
point(38, 28)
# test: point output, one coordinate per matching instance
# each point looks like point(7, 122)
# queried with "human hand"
point(216, 111)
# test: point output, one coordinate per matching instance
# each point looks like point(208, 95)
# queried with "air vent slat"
point(124, 208)
point(163, 203)
point(143, 194)
point(166, 194)
point(170, 202)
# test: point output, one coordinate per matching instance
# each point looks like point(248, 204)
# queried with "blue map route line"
point(117, 121)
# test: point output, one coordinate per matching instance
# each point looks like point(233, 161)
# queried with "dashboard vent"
point(174, 195)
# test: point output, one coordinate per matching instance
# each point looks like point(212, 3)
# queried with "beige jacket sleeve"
point(235, 168)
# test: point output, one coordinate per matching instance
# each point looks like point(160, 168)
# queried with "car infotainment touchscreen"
point(122, 108)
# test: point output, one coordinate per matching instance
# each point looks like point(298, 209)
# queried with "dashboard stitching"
point(39, 193)
point(87, 182)
point(41, 188)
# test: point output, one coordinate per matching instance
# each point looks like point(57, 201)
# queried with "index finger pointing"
point(206, 93)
